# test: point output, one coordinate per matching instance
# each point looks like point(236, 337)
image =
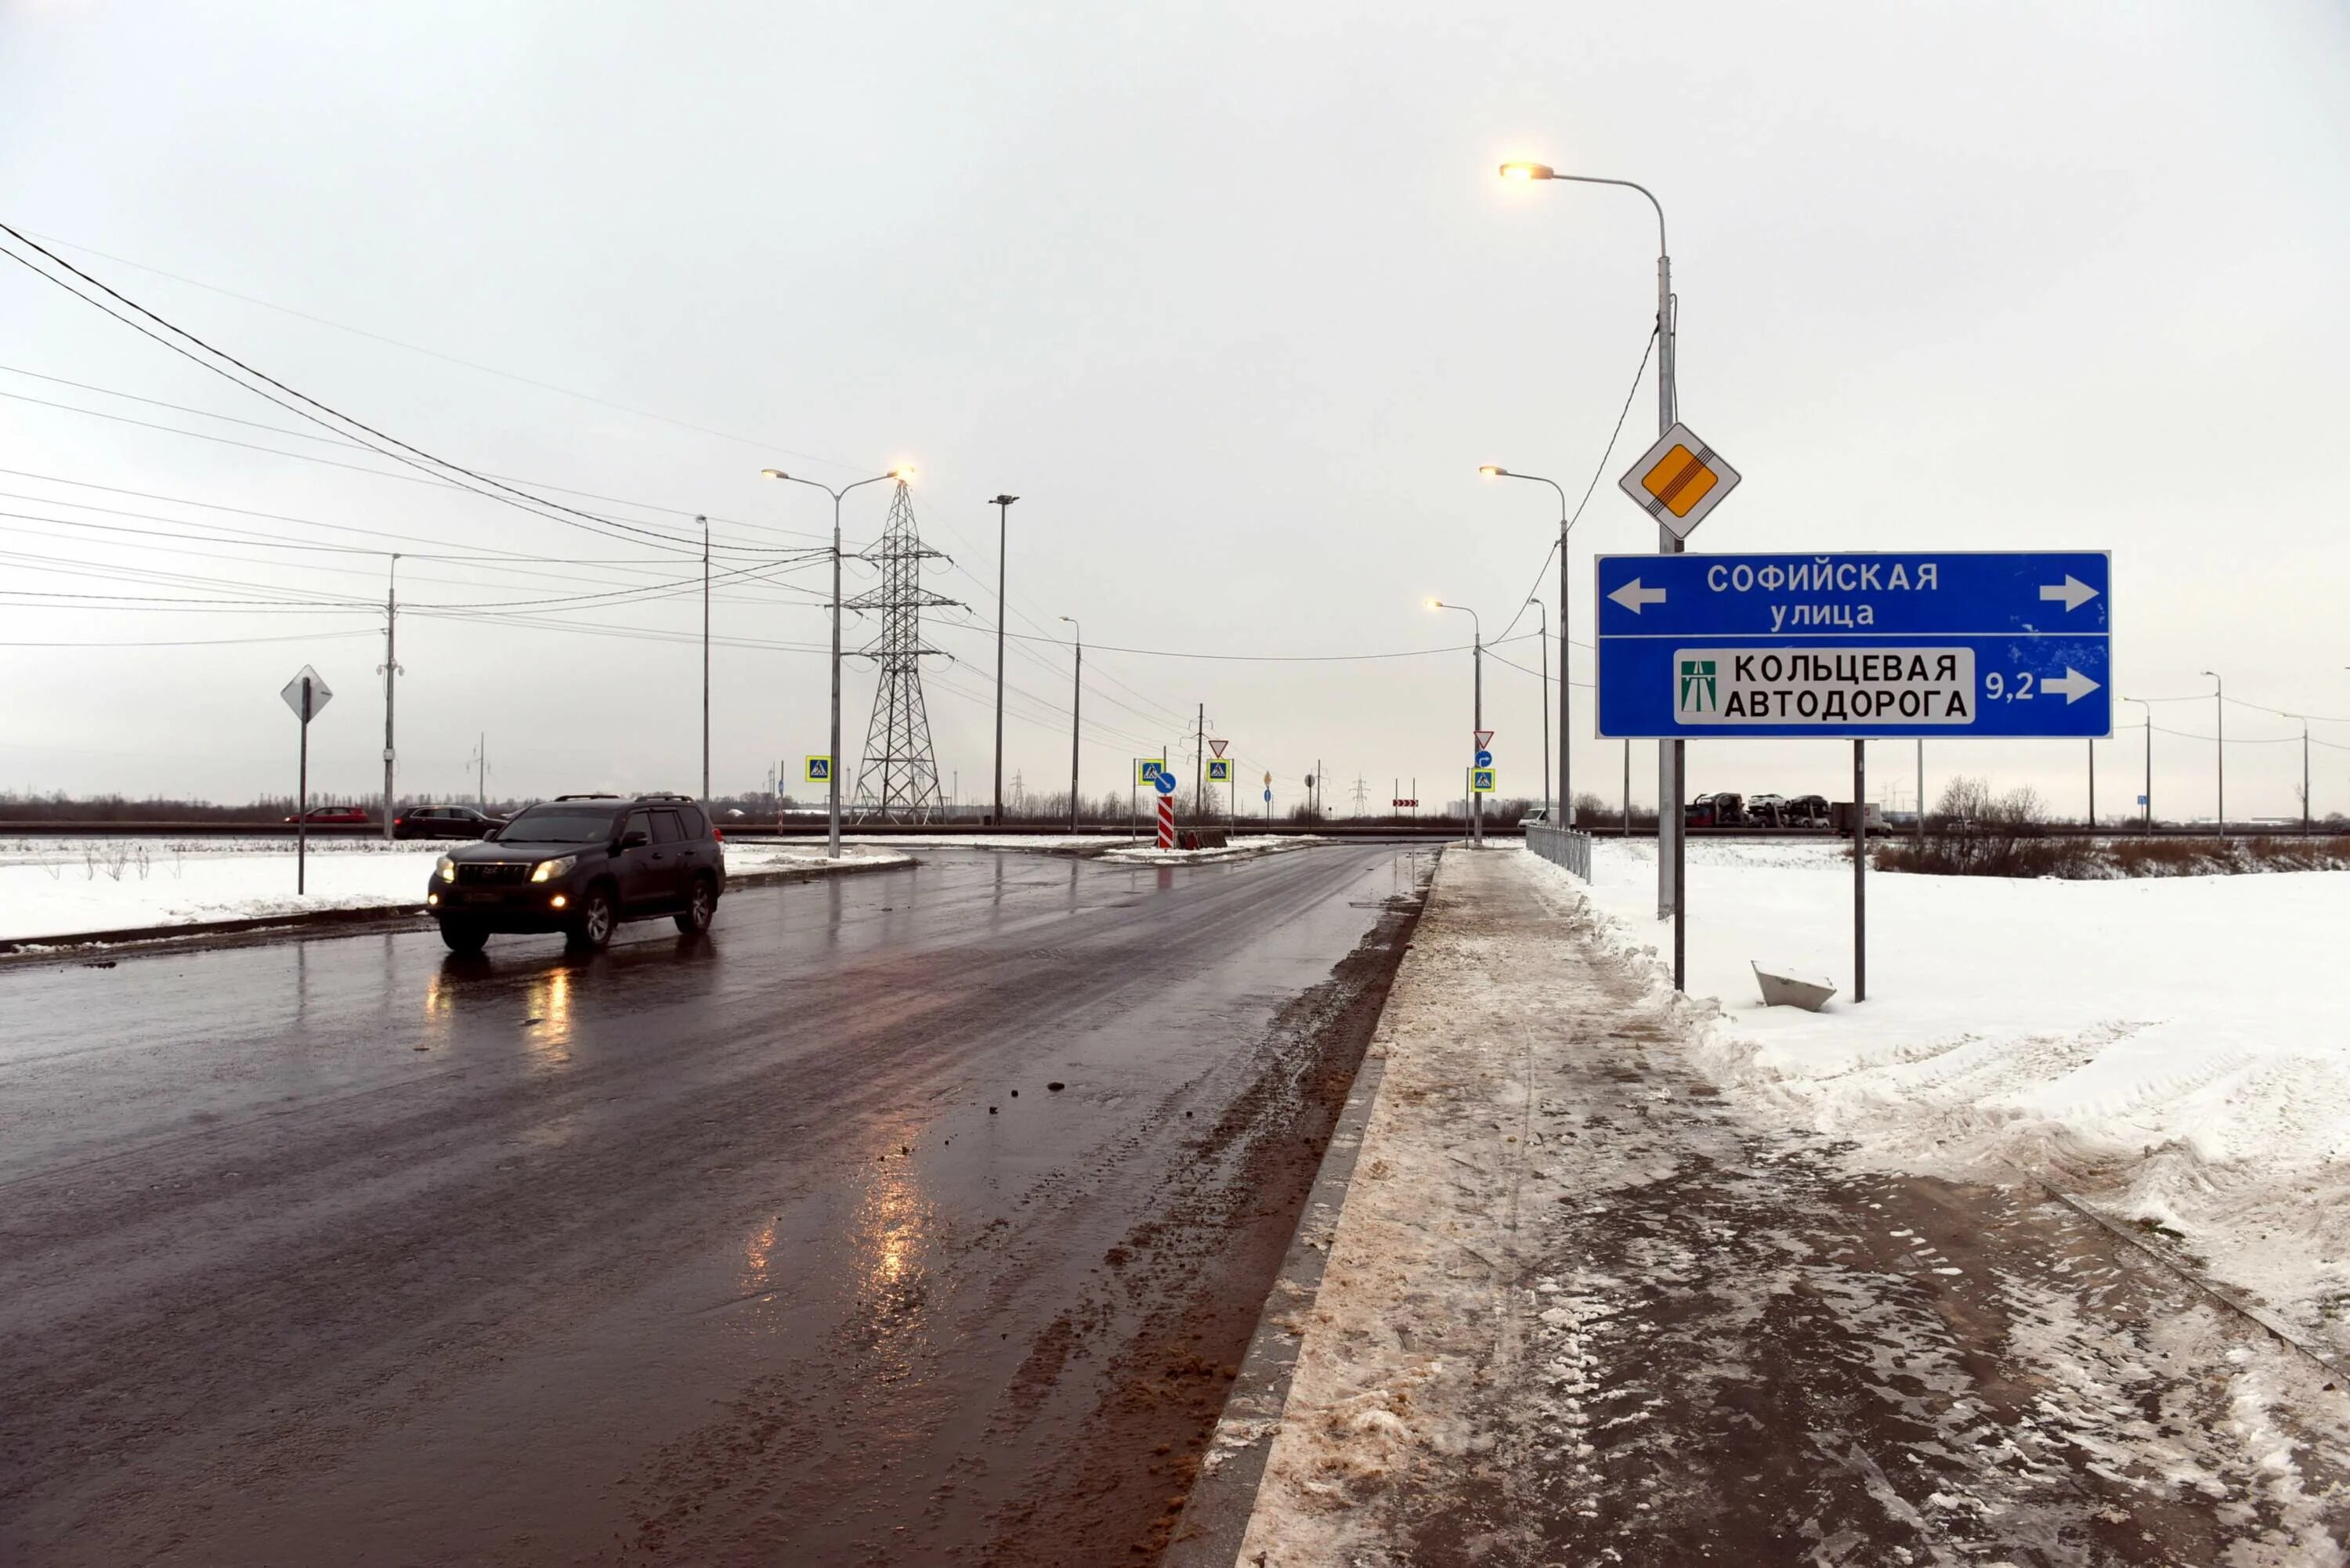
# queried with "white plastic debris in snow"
point(1783, 987)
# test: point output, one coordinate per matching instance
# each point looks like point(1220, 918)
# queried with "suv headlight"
point(549, 870)
point(445, 868)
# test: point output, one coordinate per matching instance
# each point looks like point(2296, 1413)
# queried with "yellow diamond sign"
point(1679, 480)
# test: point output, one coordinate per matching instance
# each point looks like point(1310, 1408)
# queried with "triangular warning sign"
point(1484, 739)
point(1218, 746)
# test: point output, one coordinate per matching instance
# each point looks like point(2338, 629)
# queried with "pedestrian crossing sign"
point(1146, 769)
point(1219, 770)
point(819, 770)
point(1482, 780)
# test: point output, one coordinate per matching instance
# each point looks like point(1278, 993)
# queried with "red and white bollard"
point(1166, 822)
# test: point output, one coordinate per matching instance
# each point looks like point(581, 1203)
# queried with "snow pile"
point(66, 887)
point(2176, 1050)
point(1243, 847)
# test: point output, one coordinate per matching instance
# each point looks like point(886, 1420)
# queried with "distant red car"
point(341, 816)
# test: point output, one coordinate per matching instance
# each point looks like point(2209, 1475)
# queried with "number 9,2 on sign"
point(1998, 688)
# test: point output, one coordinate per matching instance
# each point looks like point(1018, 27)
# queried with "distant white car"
point(1538, 817)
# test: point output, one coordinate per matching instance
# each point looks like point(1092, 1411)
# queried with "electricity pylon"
point(898, 780)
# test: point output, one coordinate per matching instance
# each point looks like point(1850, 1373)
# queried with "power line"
point(418, 458)
point(449, 358)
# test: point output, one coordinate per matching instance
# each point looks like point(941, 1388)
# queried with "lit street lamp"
point(1566, 665)
point(903, 470)
point(1672, 759)
point(1477, 712)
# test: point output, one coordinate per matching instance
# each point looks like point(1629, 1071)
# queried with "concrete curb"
point(315, 922)
point(1216, 1515)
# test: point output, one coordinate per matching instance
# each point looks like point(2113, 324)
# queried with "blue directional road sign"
point(1164, 779)
point(1944, 643)
point(1268, 797)
point(1484, 758)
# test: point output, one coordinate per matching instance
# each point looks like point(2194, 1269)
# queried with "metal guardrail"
point(1561, 846)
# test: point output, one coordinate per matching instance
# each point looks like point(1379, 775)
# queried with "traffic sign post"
point(308, 695)
point(1480, 779)
point(1484, 758)
point(1164, 782)
point(1865, 647)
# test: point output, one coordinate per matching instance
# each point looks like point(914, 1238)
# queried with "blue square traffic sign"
point(1949, 644)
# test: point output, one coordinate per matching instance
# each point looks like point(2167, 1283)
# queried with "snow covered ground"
point(61, 886)
point(2176, 1050)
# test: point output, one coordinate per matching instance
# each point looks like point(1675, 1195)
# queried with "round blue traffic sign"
point(1268, 797)
point(1484, 758)
point(1165, 781)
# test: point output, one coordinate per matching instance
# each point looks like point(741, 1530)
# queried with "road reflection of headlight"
point(549, 1001)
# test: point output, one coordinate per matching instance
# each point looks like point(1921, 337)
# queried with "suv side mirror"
point(635, 838)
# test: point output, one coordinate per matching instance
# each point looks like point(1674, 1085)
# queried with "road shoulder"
point(1579, 1306)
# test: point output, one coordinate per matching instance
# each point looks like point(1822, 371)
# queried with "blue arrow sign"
point(1949, 644)
point(1268, 797)
point(1484, 758)
point(1165, 781)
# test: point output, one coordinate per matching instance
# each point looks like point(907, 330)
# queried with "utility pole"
point(1077, 701)
point(482, 771)
point(2304, 775)
point(1199, 767)
point(2219, 744)
point(1921, 791)
point(1002, 504)
point(391, 673)
point(705, 655)
point(2145, 805)
point(2093, 787)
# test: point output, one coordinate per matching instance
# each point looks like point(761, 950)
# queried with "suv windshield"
point(559, 825)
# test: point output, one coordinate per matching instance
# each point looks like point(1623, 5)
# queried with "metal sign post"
point(1860, 870)
point(307, 694)
point(1957, 644)
point(1164, 782)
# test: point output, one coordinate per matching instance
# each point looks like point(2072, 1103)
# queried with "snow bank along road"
point(1583, 1306)
point(64, 886)
point(913, 1218)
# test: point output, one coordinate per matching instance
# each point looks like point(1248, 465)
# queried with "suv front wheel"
point(593, 927)
point(699, 905)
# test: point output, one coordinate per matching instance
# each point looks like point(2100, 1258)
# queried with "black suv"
point(581, 864)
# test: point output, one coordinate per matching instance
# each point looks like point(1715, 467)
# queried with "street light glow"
point(773, 474)
point(1436, 604)
point(1528, 171)
point(1493, 470)
point(903, 472)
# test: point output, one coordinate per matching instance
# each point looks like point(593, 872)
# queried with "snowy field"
point(2176, 1050)
point(61, 886)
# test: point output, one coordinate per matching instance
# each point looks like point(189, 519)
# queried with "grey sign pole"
point(302, 797)
point(1860, 870)
point(306, 694)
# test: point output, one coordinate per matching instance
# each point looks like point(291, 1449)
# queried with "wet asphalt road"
point(771, 1247)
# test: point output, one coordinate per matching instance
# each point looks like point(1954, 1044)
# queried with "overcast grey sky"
point(1228, 294)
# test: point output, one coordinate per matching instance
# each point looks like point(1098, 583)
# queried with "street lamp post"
point(1542, 646)
point(705, 655)
point(1477, 712)
point(2145, 819)
point(1002, 504)
point(1565, 663)
point(903, 470)
point(2219, 744)
point(1076, 700)
point(1671, 759)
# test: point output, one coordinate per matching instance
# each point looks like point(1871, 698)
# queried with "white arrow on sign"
point(2071, 685)
point(2073, 591)
point(1632, 595)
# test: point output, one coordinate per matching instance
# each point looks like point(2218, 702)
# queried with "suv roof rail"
point(664, 794)
point(591, 794)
